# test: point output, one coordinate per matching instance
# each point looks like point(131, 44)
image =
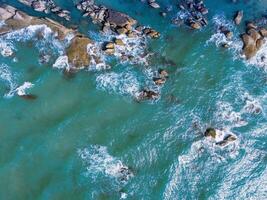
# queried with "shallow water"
point(70, 141)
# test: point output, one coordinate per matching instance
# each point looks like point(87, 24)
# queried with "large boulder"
point(78, 56)
point(118, 18)
point(250, 46)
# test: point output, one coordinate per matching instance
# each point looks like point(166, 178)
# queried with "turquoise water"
point(68, 143)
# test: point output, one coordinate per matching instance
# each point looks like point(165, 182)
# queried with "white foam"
point(124, 83)
point(62, 62)
point(98, 161)
point(21, 90)
point(9, 78)
point(6, 48)
point(97, 58)
point(226, 113)
point(132, 52)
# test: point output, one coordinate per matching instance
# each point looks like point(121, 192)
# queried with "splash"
point(99, 162)
point(21, 90)
point(124, 83)
point(9, 79)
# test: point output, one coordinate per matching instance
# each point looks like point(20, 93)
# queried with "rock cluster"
point(253, 39)
point(77, 53)
point(220, 137)
point(112, 20)
point(47, 6)
point(161, 77)
point(196, 12)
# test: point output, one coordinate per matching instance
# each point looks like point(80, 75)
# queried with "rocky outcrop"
point(253, 40)
point(194, 12)
point(15, 19)
point(78, 56)
point(47, 6)
point(112, 20)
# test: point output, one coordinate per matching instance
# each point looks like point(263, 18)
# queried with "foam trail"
point(98, 161)
point(8, 78)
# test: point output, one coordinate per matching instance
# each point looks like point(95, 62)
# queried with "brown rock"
point(254, 34)
point(119, 42)
point(263, 32)
point(251, 25)
point(121, 31)
point(238, 17)
point(195, 25)
point(77, 52)
point(249, 47)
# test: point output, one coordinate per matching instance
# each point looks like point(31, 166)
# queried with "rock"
point(77, 52)
point(210, 132)
point(28, 96)
point(159, 81)
point(254, 34)
point(263, 32)
point(249, 47)
point(110, 51)
point(39, 6)
point(238, 17)
point(225, 45)
point(121, 31)
point(148, 95)
point(259, 43)
point(6, 13)
point(119, 42)
point(109, 45)
point(163, 14)
point(251, 25)
point(163, 73)
point(117, 18)
point(154, 5)
point(195, 25)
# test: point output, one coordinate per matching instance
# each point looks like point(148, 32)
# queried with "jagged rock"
point(238, 17)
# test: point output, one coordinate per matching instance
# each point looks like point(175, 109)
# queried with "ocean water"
point(72, 141)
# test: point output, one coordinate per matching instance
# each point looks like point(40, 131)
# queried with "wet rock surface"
point(47, 6)
point(113, 21)
point(192, 14)
point(253, 39)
